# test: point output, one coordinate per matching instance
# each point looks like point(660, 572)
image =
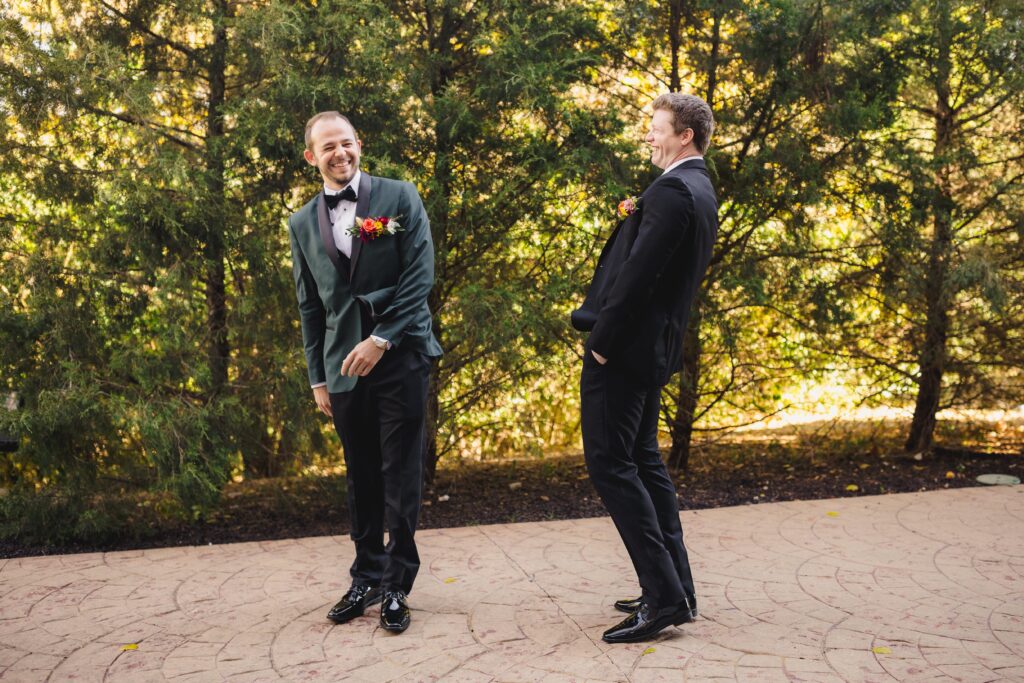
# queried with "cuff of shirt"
point(314, 386)
point(380, 339)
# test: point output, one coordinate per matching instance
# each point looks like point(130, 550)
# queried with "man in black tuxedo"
point(368, 342)
point(636, 311)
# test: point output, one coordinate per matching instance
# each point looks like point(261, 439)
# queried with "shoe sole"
point(370, 603)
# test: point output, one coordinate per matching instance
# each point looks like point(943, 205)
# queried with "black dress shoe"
point(645, 623)
point(630, 606)
point(354, 603)
point(394, 612)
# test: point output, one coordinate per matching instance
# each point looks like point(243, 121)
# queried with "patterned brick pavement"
point(910, 587)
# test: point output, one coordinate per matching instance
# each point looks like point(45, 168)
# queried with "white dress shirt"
point(343, 217)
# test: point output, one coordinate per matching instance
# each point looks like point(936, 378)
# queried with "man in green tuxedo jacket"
point(362, 287)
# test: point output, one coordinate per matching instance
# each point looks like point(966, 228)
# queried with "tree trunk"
point(937, 292)
point(675, 19)
point(689, 377)
point(686, 403)
point(216, 294)
point(430, 453)
point(716, 43)
point(273, 446)
point(439, 229)
point(439, 232)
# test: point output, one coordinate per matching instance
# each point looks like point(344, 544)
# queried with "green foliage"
point(62, 517)
point(932, 276)
point(151, 152)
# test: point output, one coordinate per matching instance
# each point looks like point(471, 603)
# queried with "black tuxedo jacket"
point(648, 274)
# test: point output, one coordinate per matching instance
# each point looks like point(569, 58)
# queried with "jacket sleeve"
point(416, 250)
point(312, 315)
point(667, 215)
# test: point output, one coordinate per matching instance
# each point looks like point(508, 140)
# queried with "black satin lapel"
point(323, 219)
point(362, 211)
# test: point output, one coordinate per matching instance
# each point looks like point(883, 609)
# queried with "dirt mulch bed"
point(759, 467)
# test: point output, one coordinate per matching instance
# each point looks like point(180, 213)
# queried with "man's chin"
point(343, 180)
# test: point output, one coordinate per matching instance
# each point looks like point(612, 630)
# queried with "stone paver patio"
point(910, 587)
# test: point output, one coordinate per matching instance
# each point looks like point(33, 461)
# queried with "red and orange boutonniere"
point(628, 206)
point(370, 228)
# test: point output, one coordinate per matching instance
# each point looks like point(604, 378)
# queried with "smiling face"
point(668, 146)
point(334, 149)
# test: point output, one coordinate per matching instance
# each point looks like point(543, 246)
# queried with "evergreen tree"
point(794, 99)
point(484, 105)
point(934, 285)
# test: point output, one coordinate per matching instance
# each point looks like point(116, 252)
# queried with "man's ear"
point(308, 154)
point(686, 137)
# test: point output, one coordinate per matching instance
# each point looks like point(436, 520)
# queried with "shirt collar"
point(681, 161)
point(354, 184)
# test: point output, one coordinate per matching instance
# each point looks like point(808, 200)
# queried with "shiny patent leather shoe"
point(646, 623)
point(630, 606)
point(394, 612)
point(354, 603)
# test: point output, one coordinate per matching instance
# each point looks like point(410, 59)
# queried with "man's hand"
point(323, 400)
point(599, 358)
point(361, 359)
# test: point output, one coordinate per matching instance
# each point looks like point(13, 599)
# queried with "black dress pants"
point(381, 425)
point(620, 445)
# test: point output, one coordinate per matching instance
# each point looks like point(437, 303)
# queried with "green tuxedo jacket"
point(390, 276)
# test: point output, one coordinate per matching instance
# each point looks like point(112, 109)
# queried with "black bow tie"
point(333, 199)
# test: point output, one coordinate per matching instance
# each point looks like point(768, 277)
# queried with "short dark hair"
point(326, 115)
point(689, 111)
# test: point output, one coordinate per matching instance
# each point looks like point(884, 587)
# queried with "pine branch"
point(157, 128)
point(139, 26)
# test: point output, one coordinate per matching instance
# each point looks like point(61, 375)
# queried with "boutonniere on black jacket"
point(628, 206)
point(369, 229)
